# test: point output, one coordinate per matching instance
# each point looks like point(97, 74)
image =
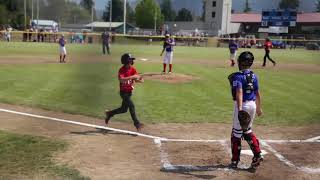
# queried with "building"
point(216, 20)
point(44, 24)
point(251, 23)
point(218, 15)
point(114, 26)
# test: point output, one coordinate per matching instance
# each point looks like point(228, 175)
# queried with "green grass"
point(29, 157)
point(289, 98)
point(298, 56)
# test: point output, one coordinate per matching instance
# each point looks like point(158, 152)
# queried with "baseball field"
point(193, 103)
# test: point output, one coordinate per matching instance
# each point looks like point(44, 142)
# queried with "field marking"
point(81, 124)
point(248, 152)
point(142, 134)
point(164, 156)
point(314, 138)
point(288, 162)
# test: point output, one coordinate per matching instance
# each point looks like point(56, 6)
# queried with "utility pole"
point(124, 16)
point(110, 16)
point(92, 15)
point(32, 10)
point(37, 14)
point(25, 14)
point(155, 21)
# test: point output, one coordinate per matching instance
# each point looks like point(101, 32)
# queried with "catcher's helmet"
point(246, 59)
point(127, 59)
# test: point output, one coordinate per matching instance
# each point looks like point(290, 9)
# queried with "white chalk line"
point(314, 138)
point(167, 166)
point(288, 162)
point(80, 124)
point(142, 134)
point(164, 155)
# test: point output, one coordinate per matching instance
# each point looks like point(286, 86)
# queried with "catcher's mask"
point(127, 59)
point(245, 59)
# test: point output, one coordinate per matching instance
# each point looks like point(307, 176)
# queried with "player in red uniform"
point(127, 76)
point(267, 47)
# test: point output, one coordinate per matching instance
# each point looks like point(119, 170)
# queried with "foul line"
point(164, 156)
point(315, 139)
point(288, 162)
point(81, 124)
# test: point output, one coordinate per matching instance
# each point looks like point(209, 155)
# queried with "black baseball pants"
point(127, 103)
point(267, 55)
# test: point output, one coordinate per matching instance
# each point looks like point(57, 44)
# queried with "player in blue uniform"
point(62, 48)
point(246, 96)
point(233, 47)
point(168, 58)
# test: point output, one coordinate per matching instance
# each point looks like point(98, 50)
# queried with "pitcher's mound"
point(172, 78)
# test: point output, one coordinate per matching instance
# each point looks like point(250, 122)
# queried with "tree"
point(117, 11)
point(147, 11)
point(318, 6)
point(184, 15)
point(12, 13)
point(247, 7)
point(167, 10)
point(87, 4)
point(289, 4)
point(131, 16)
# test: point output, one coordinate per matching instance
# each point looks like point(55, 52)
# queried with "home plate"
point(144, 59)
point(249, 152)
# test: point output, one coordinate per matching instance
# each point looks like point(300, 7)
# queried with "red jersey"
point(128, 85)
point(267, 45)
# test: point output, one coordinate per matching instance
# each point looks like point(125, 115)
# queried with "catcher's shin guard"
point(235, 148)
point(253, 143)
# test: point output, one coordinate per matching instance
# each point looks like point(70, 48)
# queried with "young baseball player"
point(267, 47)
point(246, 96)
point(63, 52)
point(233, 47)
point(168, 57)
point(127, 76)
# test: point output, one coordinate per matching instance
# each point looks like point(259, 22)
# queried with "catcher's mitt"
point(244, 119)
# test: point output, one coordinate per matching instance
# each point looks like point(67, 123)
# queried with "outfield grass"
point(30, 157)
point(298, 56)
point(289, 98)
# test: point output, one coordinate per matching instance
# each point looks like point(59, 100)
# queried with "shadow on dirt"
point(187, 170)
point(101, 131)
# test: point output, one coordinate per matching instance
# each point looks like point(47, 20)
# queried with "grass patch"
point(289, 98)
point(26, 157)
point(299, 56)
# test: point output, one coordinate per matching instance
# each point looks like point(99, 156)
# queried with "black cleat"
point(139, 127)
point(234, 164)
point(256, 161)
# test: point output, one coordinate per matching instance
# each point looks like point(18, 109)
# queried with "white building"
point(217, 20)
point(218, 16)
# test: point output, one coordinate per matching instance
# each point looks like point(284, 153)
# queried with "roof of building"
point(41, 22)
point(97, 24)
point(256, 18)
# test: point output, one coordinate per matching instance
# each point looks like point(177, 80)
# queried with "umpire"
point(105, 42)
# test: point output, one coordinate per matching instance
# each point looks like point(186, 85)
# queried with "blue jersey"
point(62, 42)
point(233, 47)
point(247, 81)
point(167, 45)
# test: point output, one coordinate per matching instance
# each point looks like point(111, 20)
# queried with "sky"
point(238, 5)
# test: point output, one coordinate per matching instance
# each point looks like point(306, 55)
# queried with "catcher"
point(127, 77)
point(247, 102)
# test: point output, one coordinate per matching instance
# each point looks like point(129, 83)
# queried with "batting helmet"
point(246, 59)
point(127, 59)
